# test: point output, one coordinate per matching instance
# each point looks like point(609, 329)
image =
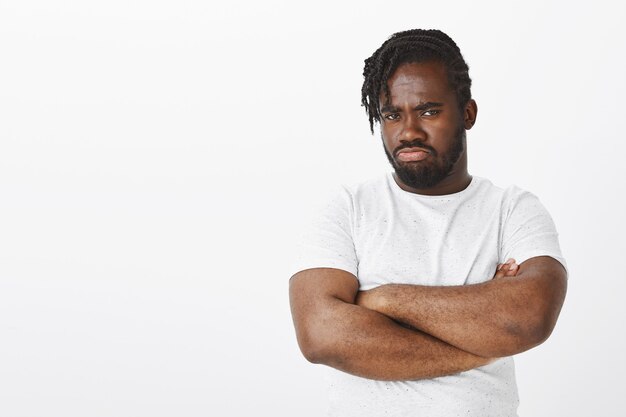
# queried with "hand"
point(507, 269)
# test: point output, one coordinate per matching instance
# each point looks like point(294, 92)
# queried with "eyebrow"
point(424, 106)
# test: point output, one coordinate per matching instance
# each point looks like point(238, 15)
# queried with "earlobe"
point(471, 110)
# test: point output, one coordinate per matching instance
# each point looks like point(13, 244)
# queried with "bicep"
point(544, 282)
point(311, 287)
point(548, 272)
point(316, 296)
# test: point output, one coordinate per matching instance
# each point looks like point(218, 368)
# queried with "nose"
point(412, 130)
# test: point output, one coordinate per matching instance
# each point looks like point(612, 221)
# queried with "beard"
point(428, 173)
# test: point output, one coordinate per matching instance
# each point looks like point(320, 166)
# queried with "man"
point(417, 288)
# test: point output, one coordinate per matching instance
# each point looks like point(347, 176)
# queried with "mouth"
point(412, 154)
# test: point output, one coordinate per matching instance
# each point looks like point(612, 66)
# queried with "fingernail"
point(513, 266)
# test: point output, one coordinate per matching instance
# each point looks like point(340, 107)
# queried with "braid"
point(415, 45)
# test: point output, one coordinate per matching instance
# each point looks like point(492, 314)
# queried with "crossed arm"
point(399, 332)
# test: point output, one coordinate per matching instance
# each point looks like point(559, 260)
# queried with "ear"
point(469, 116)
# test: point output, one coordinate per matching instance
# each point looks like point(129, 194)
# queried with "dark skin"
point(497, 318)
point(334, 330)
point(424, 108)
point(400, 332)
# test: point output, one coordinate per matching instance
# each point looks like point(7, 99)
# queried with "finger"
point(500, 271)
point(511, 270)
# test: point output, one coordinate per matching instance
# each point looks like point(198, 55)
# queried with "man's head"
point(417, 87)
point(415, 45)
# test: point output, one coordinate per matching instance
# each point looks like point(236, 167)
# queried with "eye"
point(391, 116)
point(431, 112)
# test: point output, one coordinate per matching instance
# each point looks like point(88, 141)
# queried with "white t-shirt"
point(383, 234)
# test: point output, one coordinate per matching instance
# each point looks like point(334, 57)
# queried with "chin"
point(420, 179)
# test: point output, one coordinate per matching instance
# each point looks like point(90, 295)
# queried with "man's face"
point(422, 127)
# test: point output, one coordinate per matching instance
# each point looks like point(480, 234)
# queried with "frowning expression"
point(423, 126)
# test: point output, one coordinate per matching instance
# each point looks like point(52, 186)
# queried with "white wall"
point(156, 158)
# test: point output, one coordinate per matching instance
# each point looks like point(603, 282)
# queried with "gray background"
point(158, 157)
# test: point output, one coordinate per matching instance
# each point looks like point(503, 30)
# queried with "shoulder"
point(484, 187)
point(521, 201)
point(370, 185)
point(363, 193)
point(510, 196)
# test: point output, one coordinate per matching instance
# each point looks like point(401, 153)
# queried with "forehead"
point(423, 81)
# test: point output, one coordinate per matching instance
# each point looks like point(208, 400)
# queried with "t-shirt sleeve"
point(327, 240)
point(529, 230)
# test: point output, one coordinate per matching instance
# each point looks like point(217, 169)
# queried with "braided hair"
point(415, 45)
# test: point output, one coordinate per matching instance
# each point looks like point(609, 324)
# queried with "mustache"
point(415, 144)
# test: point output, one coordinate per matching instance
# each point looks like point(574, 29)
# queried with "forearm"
point(477, 318)
point(368, 344)
point(332, 330)
point(500, 317)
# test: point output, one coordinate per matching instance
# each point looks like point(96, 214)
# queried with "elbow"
point(538, 309)
point(313, 355)
point(541, 323)
point(539, 332)
point(311, 351)
point(531, 327)
point(315, 347)
point(527, 340)
point(520, 337)
point(514, 337)
point(532, 337)
point(506, 345)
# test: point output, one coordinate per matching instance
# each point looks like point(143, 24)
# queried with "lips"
point(412, 154)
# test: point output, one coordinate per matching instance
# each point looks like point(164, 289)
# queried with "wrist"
point(382, 298)
point(372, 299)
